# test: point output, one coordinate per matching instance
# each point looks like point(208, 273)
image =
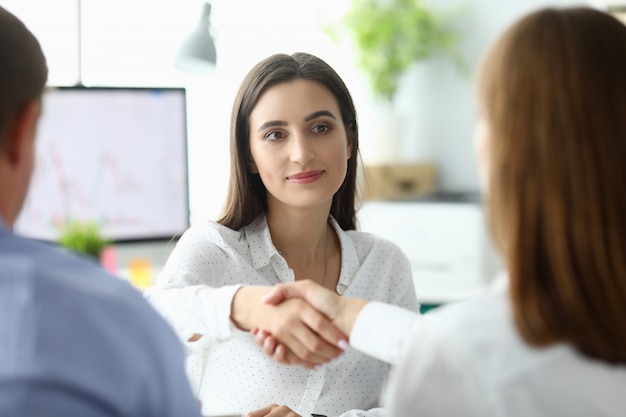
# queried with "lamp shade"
point(197, 52)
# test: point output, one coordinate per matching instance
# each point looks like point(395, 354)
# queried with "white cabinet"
point(450, 250)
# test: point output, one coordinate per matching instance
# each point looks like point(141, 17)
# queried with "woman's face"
point(298, 144)
point(482, 139)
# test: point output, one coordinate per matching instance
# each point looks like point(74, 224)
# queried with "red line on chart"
point(71, 189)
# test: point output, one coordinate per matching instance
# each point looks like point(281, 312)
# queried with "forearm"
point(243, 313)
point(347, 313)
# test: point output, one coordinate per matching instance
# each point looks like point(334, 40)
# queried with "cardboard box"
point(399, 181)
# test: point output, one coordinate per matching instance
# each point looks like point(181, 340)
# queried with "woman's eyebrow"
point(312, 116)
point(271, 123)
point(319, 114)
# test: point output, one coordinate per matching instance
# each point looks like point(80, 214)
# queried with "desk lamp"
point(197, 52)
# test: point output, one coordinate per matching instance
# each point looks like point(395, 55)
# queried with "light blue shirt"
point(75, 341)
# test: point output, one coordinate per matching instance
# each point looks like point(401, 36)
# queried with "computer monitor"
point(114, 156)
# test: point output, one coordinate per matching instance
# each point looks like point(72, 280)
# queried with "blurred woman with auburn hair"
point(553, 90)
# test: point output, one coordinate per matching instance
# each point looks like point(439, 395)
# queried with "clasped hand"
point(300, 323)
point(302, 335)
point(316, 327)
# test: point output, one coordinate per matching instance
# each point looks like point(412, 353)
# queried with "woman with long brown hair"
point(289, 215)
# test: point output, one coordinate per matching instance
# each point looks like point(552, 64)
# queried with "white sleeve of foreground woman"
point(430, 377)
point(383, 330)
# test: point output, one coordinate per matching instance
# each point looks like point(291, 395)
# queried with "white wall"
point(132, 42)
point(438, 103)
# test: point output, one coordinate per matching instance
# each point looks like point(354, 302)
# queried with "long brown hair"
point(247, 198)
point(554, 86)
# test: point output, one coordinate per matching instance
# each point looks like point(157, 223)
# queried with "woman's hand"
point(341, 310)
point(273, 410)
point(275, 349)
point(307, 335)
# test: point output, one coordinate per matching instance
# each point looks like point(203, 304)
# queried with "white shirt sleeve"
point(435, 377)
point(425, 373)
point(383, 330)
point(189, 295)
point(197, 309)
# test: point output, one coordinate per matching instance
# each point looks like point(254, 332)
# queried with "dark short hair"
point(247, 198)
point(23, 69)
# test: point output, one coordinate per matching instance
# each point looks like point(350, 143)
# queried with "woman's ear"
point(253, 167)
point(350, 134)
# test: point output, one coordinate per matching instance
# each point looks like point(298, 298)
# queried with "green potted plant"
point(391, 35)
point(83, 237)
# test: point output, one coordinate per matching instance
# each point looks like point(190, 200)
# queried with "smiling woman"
point(300, 149)
point(289, 216)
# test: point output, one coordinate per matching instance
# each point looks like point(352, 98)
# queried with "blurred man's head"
point(23, 76)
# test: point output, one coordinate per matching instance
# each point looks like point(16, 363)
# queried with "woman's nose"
point(301, 150)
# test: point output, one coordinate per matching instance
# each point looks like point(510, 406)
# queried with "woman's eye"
point(274, 135)
point(321, 129)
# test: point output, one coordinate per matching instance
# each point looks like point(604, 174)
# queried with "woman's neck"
point(299, 235)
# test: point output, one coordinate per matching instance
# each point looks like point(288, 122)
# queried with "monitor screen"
point(113, 156)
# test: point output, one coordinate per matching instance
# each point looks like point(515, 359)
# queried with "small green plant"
point(390, 35)
point(83, 237)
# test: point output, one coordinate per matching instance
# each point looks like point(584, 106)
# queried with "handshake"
point(300, 323)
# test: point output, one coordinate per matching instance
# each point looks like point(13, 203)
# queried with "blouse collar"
point(258, 236)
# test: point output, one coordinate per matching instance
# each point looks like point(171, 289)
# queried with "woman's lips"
point(306, 177)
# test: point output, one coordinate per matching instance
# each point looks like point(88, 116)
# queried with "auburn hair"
point(554, 87)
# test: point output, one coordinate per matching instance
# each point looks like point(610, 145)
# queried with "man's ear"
point(21, 132)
